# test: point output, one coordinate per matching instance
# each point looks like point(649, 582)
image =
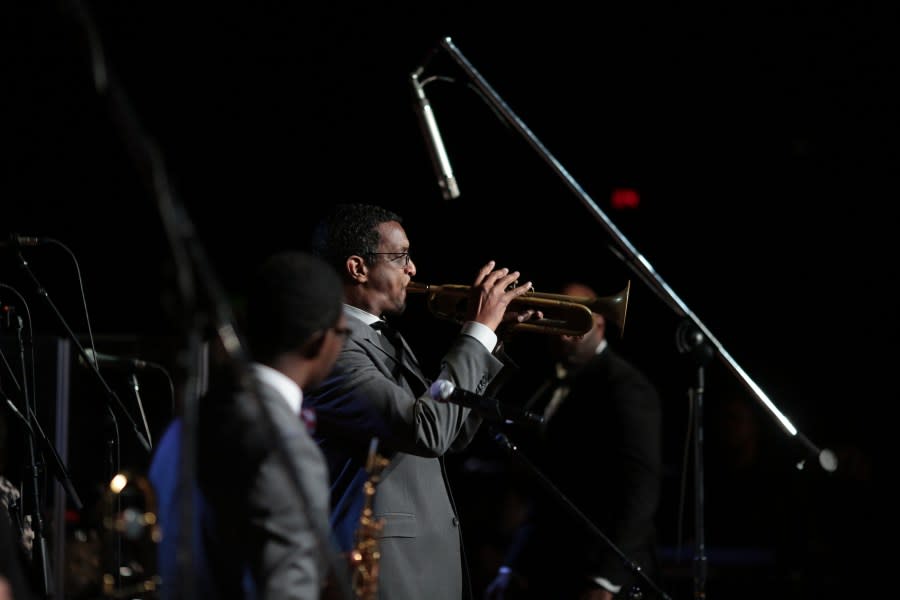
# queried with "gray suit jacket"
point(421, 542)
point(268, 528)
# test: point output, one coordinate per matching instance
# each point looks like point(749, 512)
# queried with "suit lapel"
point(408, 363)
point(411, 367)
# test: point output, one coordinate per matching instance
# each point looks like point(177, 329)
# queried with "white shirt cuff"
point(607, 585)
point(482, 333)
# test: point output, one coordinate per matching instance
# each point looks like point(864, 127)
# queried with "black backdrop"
point(762, 139)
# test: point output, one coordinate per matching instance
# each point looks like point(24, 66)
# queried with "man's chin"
point(397, 309)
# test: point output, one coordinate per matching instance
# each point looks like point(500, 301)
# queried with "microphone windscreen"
point(828, 460)
point(441, 389)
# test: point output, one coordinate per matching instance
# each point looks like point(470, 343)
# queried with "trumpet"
point(562, 315)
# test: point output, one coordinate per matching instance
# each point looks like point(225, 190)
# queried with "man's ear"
point(313, 346)
point(357, 268)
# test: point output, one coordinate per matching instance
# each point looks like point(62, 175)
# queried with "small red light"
point(623, 198)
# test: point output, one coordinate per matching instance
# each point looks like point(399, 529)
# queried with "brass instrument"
point(564, 315)
point(132, 536)
point(365, 556)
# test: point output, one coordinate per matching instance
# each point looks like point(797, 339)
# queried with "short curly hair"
point(293, 295)
point(349, 229)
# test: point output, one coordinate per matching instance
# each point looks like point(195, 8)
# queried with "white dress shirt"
point(287, 387)
point(480, 332)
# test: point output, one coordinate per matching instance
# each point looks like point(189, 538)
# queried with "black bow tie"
point(385, 328)
point(388, 333)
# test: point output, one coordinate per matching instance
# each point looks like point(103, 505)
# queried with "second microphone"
point(443, 390)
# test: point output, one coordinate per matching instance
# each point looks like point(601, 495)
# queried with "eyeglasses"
point(401, 258)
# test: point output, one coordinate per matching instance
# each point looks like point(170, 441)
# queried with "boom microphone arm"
point(626, 252)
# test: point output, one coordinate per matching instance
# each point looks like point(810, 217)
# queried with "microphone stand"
point(112, 398)
point(33, 428)
point(39, 548)
point(512, 450)
point(691, 342)
point(192, 267)
point(627, 253)
point(137, 396)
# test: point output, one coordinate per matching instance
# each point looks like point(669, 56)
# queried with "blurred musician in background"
point(601, 445)
point(253, 535)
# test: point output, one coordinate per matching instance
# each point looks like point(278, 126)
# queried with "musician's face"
point(390, 271)
point(578, 349)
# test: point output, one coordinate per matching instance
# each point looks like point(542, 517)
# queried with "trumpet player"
point(377, 389)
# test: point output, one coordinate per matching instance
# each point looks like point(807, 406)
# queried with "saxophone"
point(365, 556)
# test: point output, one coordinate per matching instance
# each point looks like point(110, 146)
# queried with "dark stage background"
point(761, 138)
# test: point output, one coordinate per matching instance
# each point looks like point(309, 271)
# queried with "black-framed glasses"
point(401, 258)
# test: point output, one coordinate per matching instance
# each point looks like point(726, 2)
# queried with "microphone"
point(826, 458)
point(490, 408)
point(113, 362)
point(446, 180)
point(15, 241)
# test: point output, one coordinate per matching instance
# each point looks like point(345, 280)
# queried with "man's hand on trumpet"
point(491, 295)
